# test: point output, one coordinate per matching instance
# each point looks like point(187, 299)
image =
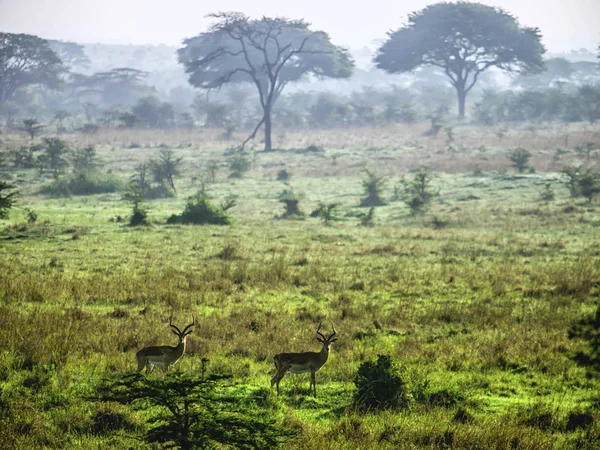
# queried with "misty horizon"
point(564, 27)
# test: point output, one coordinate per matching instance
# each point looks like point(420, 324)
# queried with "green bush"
point(83, 184)
point(7, 198)
point(200, 211)
point(519, 157)
point(380, 385)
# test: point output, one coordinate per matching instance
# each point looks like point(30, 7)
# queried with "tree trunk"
point(268, 145)
point(462, 98)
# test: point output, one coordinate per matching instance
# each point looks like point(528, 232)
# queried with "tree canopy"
point(464, 39)
point(267, 52)
point(26, 60)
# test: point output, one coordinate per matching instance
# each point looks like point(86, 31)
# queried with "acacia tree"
point(267, 52)
point(464, 39)
point(26, 60)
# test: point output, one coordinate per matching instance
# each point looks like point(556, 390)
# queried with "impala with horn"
point(164, 356)
point(304, 362)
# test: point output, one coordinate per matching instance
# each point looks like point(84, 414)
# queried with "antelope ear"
point(188, 333)
point(175, 333)
point(320, 340)
point(333, 340)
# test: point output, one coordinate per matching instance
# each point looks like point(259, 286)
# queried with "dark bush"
point(380, 385)
point(200, 211)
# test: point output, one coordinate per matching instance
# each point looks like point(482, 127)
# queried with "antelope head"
point(186, 331)
point(326, 340)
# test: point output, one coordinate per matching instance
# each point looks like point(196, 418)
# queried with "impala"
point(303, 362)
point(164, 356)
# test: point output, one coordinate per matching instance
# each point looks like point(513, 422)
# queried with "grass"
point(475, 312)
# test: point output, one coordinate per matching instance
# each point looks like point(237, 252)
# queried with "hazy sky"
point(565, 24)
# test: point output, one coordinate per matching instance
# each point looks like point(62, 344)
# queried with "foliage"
point(31, 127)
point(572, 174)
point(291, 202)
point(7, 198)
point(520, 158)
point(153, 113)
point(26, 60)
point(269, 53)
point(136, 195)
point(373, 186)
point(588, 329)
point(53, 157)
point(86, 160)
point(200, 211)
point(417, 192)
point(588, 184)
point(239, 165)
point(547, 194)
point(165, 167)
point(199, 412)
point(83, 183)
point(326, 212)
point(464, 39)
point(367, 220)
point(380, 385)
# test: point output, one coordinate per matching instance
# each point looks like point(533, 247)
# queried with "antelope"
point(303, 362)
point(164, 356)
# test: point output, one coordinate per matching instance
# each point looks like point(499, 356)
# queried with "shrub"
point(53, 155)
point(166, 167)
point(572, 175)
point(86, 160)
point(417, 192)
point(380, 385)
point(188, 411)
point(7, 198)
point(199, 211)
point(239, 165)
point(547, 194)
point(588, 184)
point(519, 158)
point(291, 202)
point(89, 183)
point(326, 213)
point(373, 186)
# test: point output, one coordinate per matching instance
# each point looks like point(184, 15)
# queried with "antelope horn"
point(334, 333)
point(190, 325)
point(319, 333)
point(173, 326)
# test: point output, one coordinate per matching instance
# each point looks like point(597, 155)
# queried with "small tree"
point(291, 201)
point(86, 160)
point(239, 165)
point(520, 159)
point(572, 175)
point(166, 167)
point(7, 198)
point(196, 412)
point(54, 156)
point(327, 213)
point(136, 195)
point(373, 186)
point(588, 184)
point(31, 127)
point(417, 192)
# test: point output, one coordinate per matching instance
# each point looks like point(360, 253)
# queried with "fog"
point(565, 25)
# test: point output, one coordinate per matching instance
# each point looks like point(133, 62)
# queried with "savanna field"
point(476, 299)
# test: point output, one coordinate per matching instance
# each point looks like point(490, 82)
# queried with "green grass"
point(477, 310)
